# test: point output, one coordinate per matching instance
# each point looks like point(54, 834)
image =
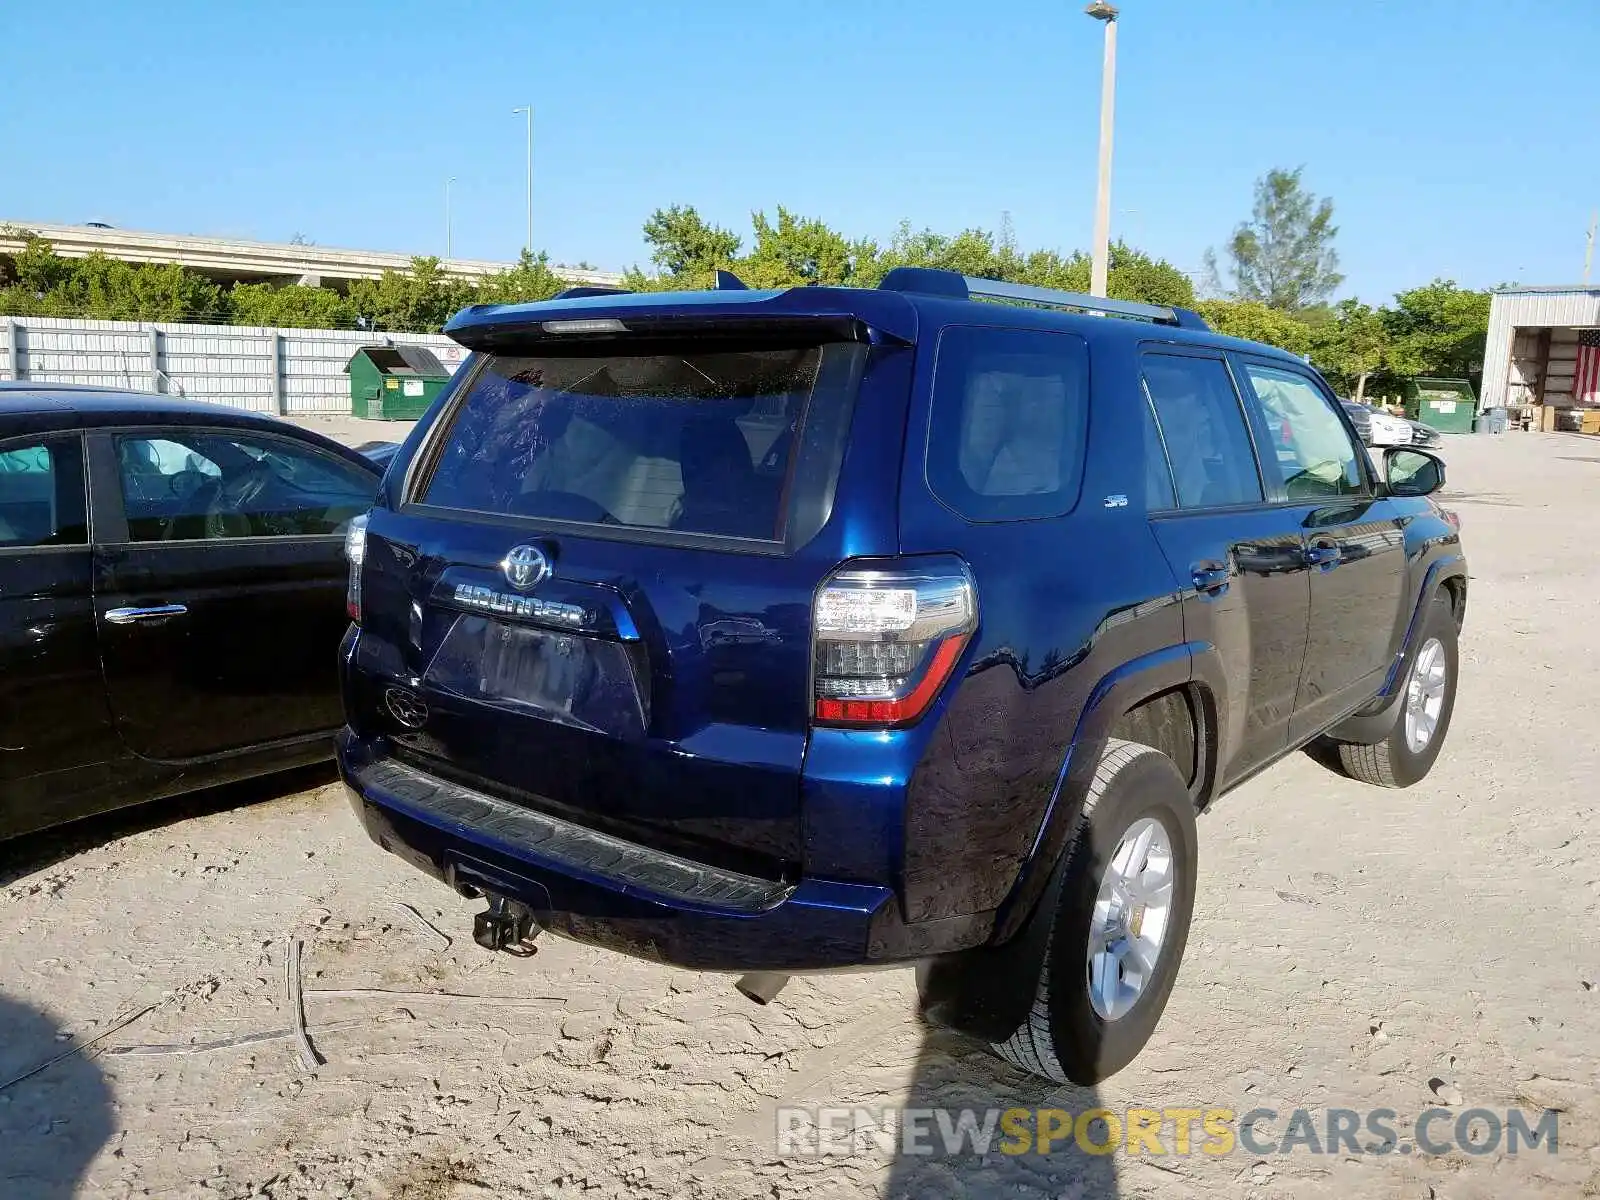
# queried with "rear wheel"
point(1120, 924)
point(1429, 699)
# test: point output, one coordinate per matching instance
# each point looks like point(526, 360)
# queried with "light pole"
point(1100, 263)
point(528, 108)
point(1588, 250)
point(449, 228)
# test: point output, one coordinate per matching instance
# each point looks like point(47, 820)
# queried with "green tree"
point(109, 289)
point(1283, 256)
point(683, 243)
point(36, 268)
point(1438, 329)
point(1134, 275)
point(293, 307)
point(37, 281)
point(793, 250)
point(1351, 346)
point(419, 300)
point(100, 288)
point(1256, 322)
point(531, 279)
point(970, 252)
point(801, 250)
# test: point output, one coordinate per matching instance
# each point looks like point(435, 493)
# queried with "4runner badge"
point(526, 567)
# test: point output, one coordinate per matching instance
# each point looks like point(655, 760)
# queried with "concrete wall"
point(236, 259)
point(285, 371)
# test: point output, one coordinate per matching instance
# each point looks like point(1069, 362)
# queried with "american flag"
point(1586, 382)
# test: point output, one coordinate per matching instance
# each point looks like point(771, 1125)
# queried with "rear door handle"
point(1323, 556)
point(1211, 579)
point(145, 616)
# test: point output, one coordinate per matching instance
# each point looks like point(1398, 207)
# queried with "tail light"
point(355, 553)
point(885, 641)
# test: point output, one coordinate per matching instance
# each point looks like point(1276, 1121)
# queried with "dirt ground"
point(1352, 948)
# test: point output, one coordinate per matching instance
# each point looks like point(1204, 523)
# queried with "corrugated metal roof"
point(1548, 287)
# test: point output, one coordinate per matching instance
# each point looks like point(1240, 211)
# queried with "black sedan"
point(1360, 417)
point(171, 597)
point(380, 453)
point(1424, 435)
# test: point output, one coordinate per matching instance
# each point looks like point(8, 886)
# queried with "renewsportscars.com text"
point(1160, 1131)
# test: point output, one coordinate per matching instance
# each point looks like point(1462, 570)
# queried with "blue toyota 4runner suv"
point(773, 632)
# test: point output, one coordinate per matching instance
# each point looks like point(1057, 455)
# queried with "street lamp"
point(449, 229)
point(528, 108)
point(1100, 264)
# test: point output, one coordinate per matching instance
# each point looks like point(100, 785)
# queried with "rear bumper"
point(627, 897)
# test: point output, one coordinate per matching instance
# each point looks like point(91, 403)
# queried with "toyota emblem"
point(526, 567)
point(406, 708)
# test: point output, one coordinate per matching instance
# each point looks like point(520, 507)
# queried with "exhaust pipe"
point(761, 986)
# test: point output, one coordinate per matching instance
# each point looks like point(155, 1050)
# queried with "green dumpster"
point(394, 383)
point(1449, 405)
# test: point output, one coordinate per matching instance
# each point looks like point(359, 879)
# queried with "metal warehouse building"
point(1532, 353)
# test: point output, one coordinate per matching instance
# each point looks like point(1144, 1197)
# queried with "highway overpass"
point(232, 260)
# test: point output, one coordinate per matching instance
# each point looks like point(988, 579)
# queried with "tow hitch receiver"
point(505, 925)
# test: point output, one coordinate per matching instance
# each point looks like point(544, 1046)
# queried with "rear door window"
point(1203, 428)
point(1006, 431)
point(41, 493)
point(700, 442)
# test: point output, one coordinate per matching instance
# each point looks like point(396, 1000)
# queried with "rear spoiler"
point(729, 311)
point(582, 315)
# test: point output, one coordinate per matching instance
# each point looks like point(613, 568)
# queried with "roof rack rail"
point(585, 289)
point(936, 281)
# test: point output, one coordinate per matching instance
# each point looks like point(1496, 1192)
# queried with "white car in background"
point(1377, 428)
point(1389, 430)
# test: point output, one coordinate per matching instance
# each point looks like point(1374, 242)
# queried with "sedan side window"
point(41, 494)
point(189, 485)
point(1207, 441)
point(1309, 447)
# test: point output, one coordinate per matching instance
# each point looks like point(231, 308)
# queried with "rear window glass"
point(1006, 435)
point(701, 443)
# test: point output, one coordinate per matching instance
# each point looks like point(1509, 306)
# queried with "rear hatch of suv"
point(591, 593)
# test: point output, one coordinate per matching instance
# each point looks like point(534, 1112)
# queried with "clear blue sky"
point(1457, 137)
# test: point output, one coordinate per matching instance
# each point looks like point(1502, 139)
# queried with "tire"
point(1065, 1037)
point(1398, 761)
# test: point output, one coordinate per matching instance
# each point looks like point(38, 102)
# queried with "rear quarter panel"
point(1072, 609)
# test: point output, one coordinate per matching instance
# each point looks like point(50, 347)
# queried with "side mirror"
point(1411, 472)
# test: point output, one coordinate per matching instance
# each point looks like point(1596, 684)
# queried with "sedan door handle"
point(1211, 579)
point(137, 616)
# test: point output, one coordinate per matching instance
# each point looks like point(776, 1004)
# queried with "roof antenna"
point(727, 281)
